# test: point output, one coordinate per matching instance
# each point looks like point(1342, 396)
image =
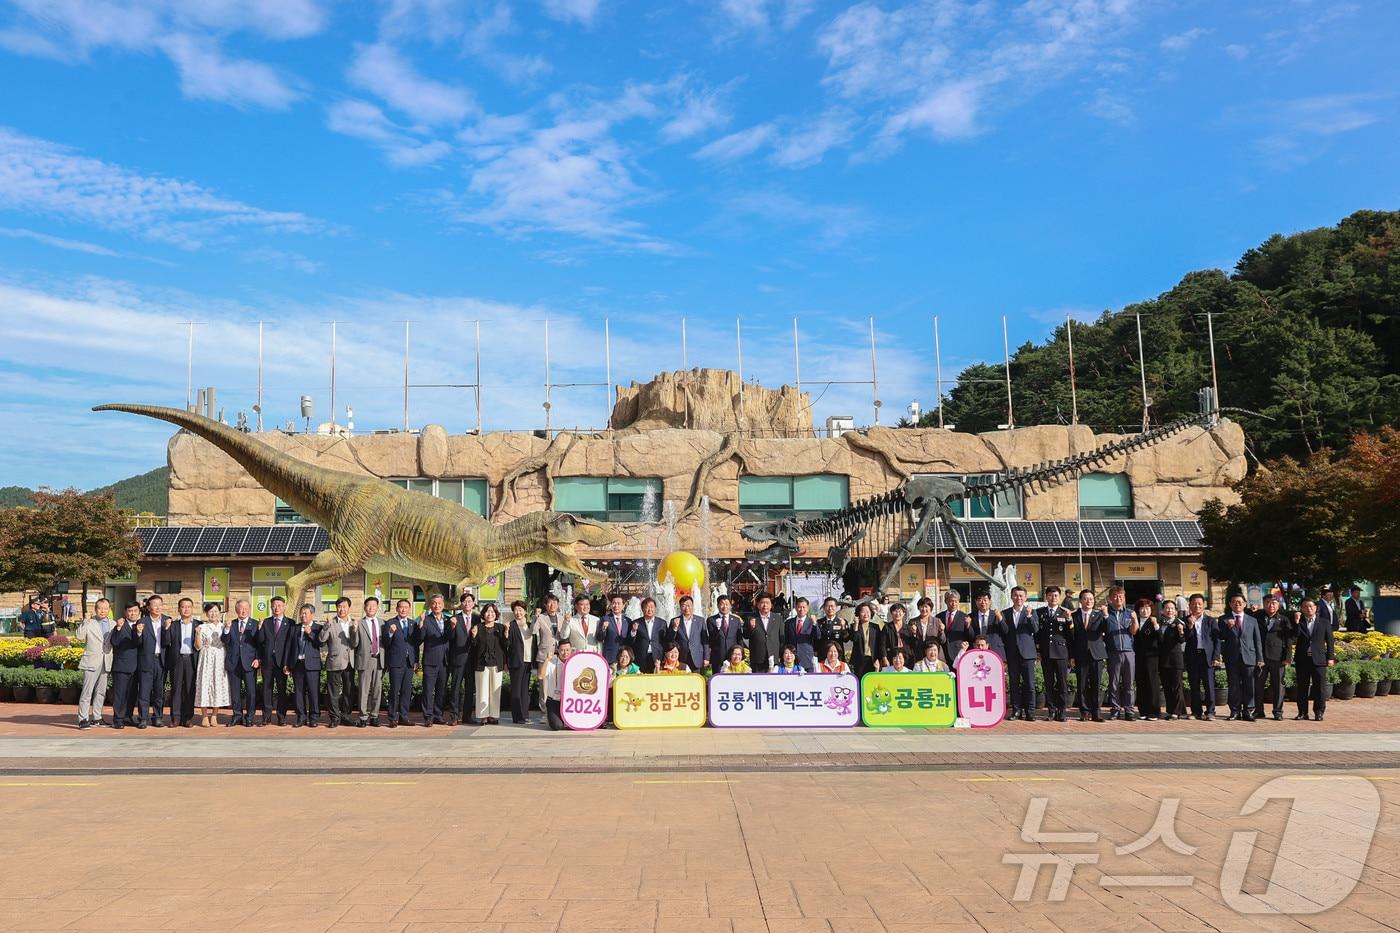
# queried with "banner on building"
point(328, 593)
point(808, 701)
point(490, 591)
point(1077, 578)
point(658, 701)
point(1194, 579)
point(815, 586)
point(981, 688)
point(273, 575)
point(583, 700)
point(1135, 569)
point(216, 585)
point(909, 700)
point(1028, 577)
point(377, 585)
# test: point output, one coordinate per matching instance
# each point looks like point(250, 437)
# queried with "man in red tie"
point(801, 632)
point(617, 630)
point(721, 632)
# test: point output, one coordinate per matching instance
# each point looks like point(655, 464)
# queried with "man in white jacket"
point(96, 637)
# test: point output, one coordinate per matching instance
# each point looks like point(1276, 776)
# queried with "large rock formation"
point(710, 400)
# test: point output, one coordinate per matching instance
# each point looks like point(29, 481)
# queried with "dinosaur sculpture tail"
point(301, 485)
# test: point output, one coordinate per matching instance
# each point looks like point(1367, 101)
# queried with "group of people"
point(260, 669)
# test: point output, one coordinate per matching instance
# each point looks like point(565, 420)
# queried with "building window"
point(1105, 495)
point(471, 493)
point(167, 587)
point(609, 498)
point(1005, 504)
point(793, 496)
point(286, 515)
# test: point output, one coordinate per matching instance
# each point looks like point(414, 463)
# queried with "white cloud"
point(572, 11)
point(829, 225)
point(809, 144)
point(49, 179)
point(737, 145)
point(761, 15)
point(401, 146)
point(384, 72)
point(701, 110)
point(189, 33)
point(1237, 51)
point(1106, 105)
point(77, 246)
point(1182, 41)
point(948, 111)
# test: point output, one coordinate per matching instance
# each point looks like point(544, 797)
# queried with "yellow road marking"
point(48, 784)
point(342, 783)
point(1025, 779)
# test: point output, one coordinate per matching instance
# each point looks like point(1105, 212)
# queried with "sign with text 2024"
point(981, 688)
point(659, 701)
point(909, 699)
point(583, 697)
point(813, 701)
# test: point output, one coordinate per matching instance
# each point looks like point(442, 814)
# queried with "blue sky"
point(298, 161)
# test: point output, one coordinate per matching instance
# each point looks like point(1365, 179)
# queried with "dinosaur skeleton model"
point(373, 524)
point(898, 522)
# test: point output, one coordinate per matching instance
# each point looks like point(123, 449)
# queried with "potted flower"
point(1344, 687)
point(70, 684)
point(1383, 671)
point(1222, 687)
point(22, 683)
point(45, 686)
point(8, 677)
point(1366, 674)
point(1290, 683)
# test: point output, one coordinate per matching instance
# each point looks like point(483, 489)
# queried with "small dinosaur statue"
point(383, 528)
point(922, 499)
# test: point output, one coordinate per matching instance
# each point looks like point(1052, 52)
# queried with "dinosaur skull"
point(782, 533)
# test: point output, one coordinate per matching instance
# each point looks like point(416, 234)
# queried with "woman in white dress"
point(211, 678)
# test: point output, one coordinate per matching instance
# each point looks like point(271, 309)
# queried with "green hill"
point(148, 492)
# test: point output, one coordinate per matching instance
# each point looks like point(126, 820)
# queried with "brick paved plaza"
point(496, 829)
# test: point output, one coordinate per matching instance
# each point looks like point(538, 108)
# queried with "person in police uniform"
point(1055, 642)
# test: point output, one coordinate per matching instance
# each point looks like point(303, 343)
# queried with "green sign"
point(908, 700)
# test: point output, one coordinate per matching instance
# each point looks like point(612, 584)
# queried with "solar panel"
point(208, 542)
point(144, 535)
point(1118, 536)
point(976, 536)
point(161, 541)
point(1000, 535)
point(1069, 535)
point(302, 540)
point(1023, 535)
point(321, 541)
point(1190, 533)
point(1094, 535)
point(279, 540)
point(1141, 534)
point(1046, 535)
point(232, 541)
point(185, 541)
point(256, 542)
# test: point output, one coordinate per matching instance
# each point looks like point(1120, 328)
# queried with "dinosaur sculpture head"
point(781, 536)
point(565, 531)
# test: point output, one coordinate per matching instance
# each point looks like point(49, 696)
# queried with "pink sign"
point(583, 699)
point(981, 688)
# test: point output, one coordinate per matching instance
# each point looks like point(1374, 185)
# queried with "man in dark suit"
point(764, 632)
point(983, 621)
point(125, 649)
point(615, 630)
point(400, 659)
point(1056, 638)
point(1020, 630)
point(645, 638)
point(150, 633)
point(431, 635)
point(241, 662)
point(1243, 651)
point(1202, 656)
point(1089, 629)
point(1277, 631)
point(274, 641)
point(1356, 612)
point(802, 633)
point(955, 627)
point(304, 664)
point(722, 632)
point(461, 680)
point(1312, 656)
point(687, 632)
point(181, 651)
point(1327, 609)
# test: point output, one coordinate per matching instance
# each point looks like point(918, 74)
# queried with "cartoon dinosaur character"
point(981, 670)
point(880, 701)
point(839, 700)
point(631, 702)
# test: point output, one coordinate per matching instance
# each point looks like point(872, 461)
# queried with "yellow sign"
point(1077, 578)
point(1028, 576)
point(1135, 569)
point(908, 699)
point(272, 574)
point(490, 591)
point(911, 580)
point(216, 585)
point(659, 701)
point(401, 592)
point(960, 574)
point(377, 585)
point(328, 592)
point(1194, 579)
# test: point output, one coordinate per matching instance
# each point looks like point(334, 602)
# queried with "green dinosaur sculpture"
point(383, 528)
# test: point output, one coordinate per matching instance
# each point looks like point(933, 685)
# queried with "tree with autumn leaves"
point(65, 536)
point(1332, 518)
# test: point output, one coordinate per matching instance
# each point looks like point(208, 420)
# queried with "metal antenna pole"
point(874, 373)
point(333, 373)
point(478, 377)
point(685, 350)
point(1142, 371)
point(546, 378)
point(1073, 392)
point(259, 406)
point(607, 364)
point(1006, 350)
point(405, 375)
point(1214, 381)
point(739, 343)
point(796, 358)
point(938, 370)
point(189, 368)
